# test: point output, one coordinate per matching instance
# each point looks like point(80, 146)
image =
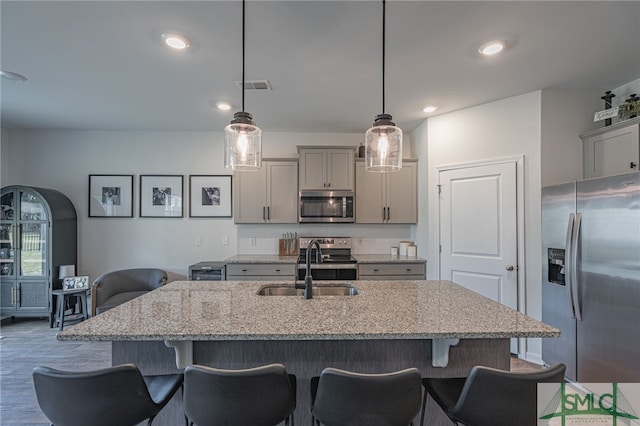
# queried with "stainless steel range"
point(334, 262)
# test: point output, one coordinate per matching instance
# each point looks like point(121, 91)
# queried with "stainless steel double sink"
point(318, 290)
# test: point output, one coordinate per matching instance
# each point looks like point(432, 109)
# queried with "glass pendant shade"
point(383, 146)
point(242, 144)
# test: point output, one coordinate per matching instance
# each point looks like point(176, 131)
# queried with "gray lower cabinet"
point(38, 233)
point(261, 271)
point(392, 271)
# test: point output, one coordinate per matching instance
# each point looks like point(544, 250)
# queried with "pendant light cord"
point(243, 1)
point(383, 48)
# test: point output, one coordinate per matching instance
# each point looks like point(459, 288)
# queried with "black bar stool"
point(489, 396)
point(118, 395)
point(260, 396)
point(342, 397)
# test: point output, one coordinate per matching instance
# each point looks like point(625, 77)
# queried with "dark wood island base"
point(307, 358)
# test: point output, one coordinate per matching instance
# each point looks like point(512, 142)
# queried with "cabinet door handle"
point(388, 213)
point(264, 216)
point(633, 165)
point(268, 213)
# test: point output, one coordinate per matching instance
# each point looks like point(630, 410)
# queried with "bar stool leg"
point(60, 312)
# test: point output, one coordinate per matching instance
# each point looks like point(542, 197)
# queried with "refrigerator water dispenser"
point(556, 265)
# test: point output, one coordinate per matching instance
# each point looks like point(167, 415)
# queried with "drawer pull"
point(408, 269)
point(277, 270)
point(244, 270)
point(376, 270)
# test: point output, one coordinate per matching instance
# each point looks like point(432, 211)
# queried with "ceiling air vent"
point(255, 85)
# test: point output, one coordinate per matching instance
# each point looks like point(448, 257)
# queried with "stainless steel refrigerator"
point(591, 277)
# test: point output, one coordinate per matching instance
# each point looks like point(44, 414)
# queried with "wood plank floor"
point(27, 343)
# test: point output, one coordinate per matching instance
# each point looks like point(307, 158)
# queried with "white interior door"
point(478, 230)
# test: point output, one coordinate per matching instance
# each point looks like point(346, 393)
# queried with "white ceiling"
point(101, 64)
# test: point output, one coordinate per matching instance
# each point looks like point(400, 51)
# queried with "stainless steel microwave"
point(326, 206)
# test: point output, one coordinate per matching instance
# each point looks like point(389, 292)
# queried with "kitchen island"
point(437, 326)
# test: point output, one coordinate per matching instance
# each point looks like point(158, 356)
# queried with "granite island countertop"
point(232, 310)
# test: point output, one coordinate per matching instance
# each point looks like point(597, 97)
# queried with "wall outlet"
point(253, 241)
point(198, 241)
point(225, 240)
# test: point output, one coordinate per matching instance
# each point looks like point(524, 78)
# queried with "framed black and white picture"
point(210, 196)
point(110, 195)
point(161, 195)
point(76, 283)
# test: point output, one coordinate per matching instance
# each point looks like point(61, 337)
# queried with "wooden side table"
point(75, 296)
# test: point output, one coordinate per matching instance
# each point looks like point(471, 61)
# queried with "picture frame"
point(210, 196)
point(80, 282)
point(161, 196)
point(110, 195)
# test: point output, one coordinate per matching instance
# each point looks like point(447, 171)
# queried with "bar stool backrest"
point(496, 397)
point(261, 396)
point(106, 397)
point(348, 398)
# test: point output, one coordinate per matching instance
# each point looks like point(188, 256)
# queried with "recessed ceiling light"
point(12, 76)
point(224, 106)
point(492, 47)
point(176, 41)
point(429, 108)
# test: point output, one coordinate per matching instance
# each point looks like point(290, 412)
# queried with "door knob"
point(509, 268)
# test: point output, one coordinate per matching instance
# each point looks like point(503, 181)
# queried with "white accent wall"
point(62, 160)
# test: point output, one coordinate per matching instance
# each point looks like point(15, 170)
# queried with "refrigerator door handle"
point(574, 267)
point(569, 266)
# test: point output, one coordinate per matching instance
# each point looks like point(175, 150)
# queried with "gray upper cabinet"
point(269, 195)
point(38, 233)
point(387, 197)
point(326, 168)
point(612, 150)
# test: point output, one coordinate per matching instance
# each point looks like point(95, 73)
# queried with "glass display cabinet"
point(38, 233)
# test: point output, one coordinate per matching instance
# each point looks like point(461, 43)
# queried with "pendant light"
point(242, 138)
point(383, 141)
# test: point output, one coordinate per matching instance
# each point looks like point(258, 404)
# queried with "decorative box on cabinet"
point(387, 197)
point(612, 150)
point(269, 195)
point(326, 168)
point(38, 233)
